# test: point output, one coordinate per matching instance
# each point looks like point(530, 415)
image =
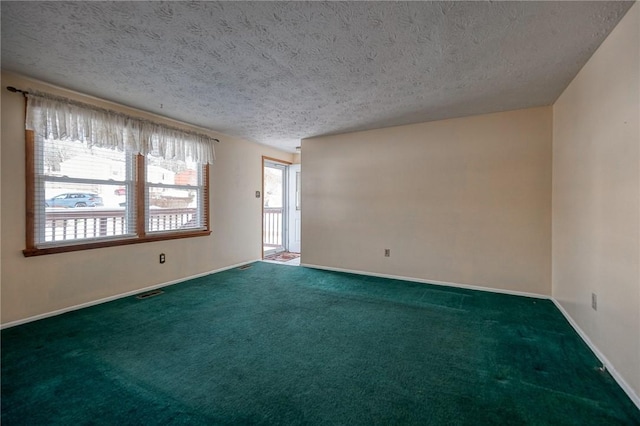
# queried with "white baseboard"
point(117, 296)
point(424, 281)
point(607, 364)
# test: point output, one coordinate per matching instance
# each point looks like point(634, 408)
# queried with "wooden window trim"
point(140, 196)
point(205, 198)
point(113, 243)
point(30, 177)
point(141, 237)
point(275, 160)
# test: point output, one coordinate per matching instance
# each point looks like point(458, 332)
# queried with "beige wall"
point(596, 198)
point(465, 201)
point(42, 284)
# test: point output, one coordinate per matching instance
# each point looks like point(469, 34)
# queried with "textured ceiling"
point(276, 72)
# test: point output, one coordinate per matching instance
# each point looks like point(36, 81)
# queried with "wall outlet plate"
point(162, 258)
point(387, 252)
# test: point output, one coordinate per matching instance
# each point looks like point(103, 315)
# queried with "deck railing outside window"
point(95, 222)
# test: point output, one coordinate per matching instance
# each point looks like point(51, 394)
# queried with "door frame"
point(285, 201)
point(294, 216)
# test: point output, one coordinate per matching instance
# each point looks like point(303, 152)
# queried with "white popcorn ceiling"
point(276, 72)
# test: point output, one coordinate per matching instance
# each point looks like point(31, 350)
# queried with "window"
point(175, 189)
point(75, 193)
point(97, 178)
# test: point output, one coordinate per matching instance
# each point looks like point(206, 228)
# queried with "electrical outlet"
point(162, 258)
point(594, 301)
point(387, 252)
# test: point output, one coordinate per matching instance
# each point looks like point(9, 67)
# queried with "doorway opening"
point(280, 211)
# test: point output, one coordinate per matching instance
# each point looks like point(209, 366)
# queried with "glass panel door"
point(273, 219)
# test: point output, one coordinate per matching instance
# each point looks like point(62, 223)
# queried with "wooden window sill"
point(29, 252)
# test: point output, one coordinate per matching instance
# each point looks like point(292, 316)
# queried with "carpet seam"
point(614, 373)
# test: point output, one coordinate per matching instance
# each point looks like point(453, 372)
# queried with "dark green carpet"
point(284, 345)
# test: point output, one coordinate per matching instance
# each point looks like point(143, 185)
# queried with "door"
point(294, 208)
point(274, 219)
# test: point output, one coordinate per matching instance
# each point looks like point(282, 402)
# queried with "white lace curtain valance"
point(64, 119)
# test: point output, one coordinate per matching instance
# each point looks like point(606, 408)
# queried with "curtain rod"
point(25, 93)
point(14, 90)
